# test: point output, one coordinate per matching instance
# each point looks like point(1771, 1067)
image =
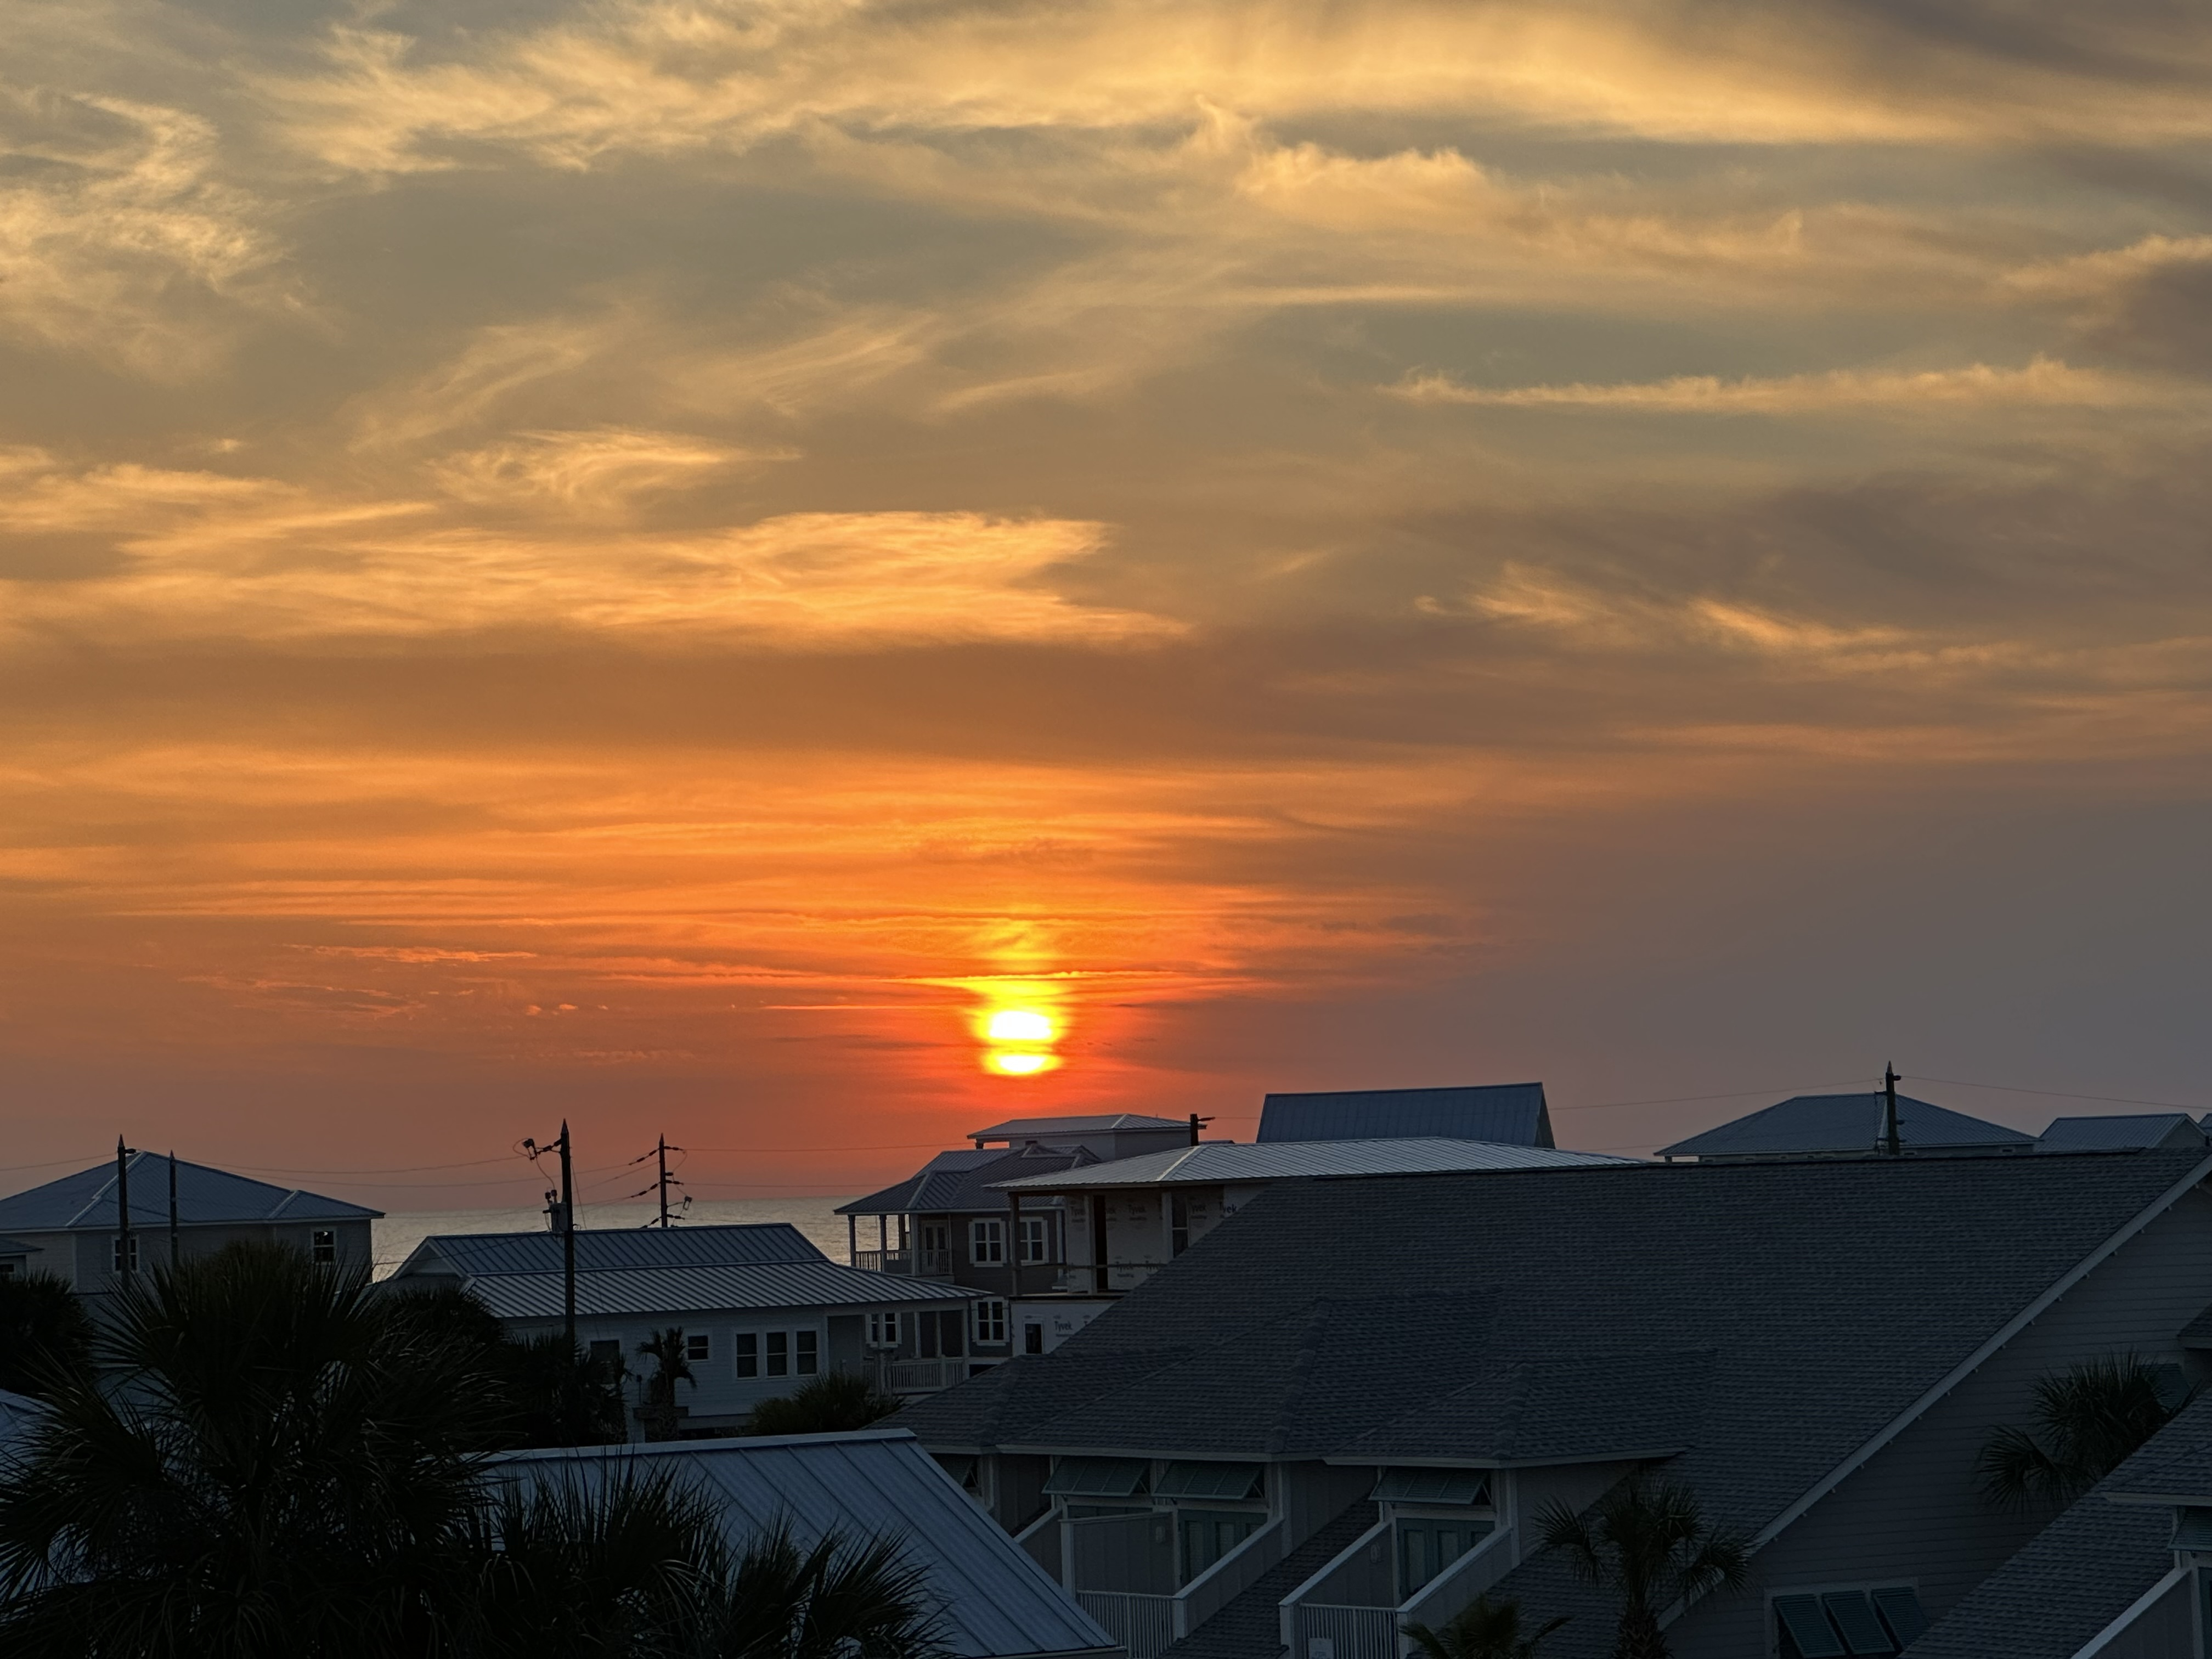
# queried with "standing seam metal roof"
point(1217, 1162)
point(206, 1197)
point(2128, 1131)
point(1842, 1123)
point(759, 1285)
point(958, 1183)
point(1512, 1113)
point(995, 1601)
point(1102, 1123)
point(598, 1248)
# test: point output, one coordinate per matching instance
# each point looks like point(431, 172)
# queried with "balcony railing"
point(1143, 1625)
point(923, 1376)
point(1335, 1613)
point(915, 1264)
point(1327, 1632)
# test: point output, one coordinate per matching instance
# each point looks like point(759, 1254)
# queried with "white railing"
point(923, 1376)
point(1229, 1578)
point(1447, 1595)
point(1327, 1633)
point(1143, 1625)
point(884, 1261)
point(1348, 1579)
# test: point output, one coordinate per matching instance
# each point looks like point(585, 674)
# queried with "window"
point(1178, 1223)
point(987, 1242)
point(748, 1353)
point(1032, 1337)
point(779, 1354)
point(882, 1330)
point(1427, 1546)
point(810, 1353)
point(990, 1322)
point(1209, 1535)
point(606, 1356)
point(1037, 1239)
point(325, 1246)
point(126, 1253)
point(699, 1347)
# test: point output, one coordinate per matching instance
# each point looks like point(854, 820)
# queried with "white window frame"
point(776, 1361)
point(1036, 1228)
point(882, 1330)
point(323, 1246)
point(116, 1254)
point(806, 1354)
point(698, 1346)
point(987, 1326)
point(745, 1355)
point(986, 1241)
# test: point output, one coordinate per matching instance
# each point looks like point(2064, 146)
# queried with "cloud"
point(2043, 383)
point(120, 237)
point(603, 471)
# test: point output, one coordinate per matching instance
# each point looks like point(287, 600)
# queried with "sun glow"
point(1018, 1025)
point(1021, 1065)
point(1018, 1042)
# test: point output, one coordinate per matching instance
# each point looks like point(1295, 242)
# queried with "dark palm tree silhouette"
point(1484, 1629)
point(280, 1464)
point(271, 1465)
point(45, 1335)
point(2090, 1419)
point(1646, 1542)
point(832, 1403)
point(665, 1350)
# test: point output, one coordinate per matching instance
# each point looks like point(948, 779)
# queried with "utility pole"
point(567, 1240)
point(173, 1209)
point(121, 1205)
point(1889, 1137)
point(1196, 1122)
point(661, 1150)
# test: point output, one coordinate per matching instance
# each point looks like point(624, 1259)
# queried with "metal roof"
point(206, 1197)
point(1806, 1124)
point(957, 1183)
point(994, 1602)
point(731, 1288)
point(597, 1248)
point(17, 1247)
point(2175, 1130)
point(1216, 1163)
point(19, 1415)
point(1017, 1128)
point(1511, 1113)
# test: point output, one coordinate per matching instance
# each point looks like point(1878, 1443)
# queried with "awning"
point(1901, 1609)
point(962, 1469)
point(1223, 1482)
point(1808, 1627)
point(1432, 1486)
point(1097, 1477)
point(2192, 1529)
point(1849, 1611)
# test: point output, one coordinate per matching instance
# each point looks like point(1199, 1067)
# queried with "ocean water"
point(397, 1234)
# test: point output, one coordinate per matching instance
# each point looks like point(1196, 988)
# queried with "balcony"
point(912, 1264)
point(1147, 1610)
point(1344, 1611)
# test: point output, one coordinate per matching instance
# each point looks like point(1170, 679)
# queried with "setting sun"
point(1020, 1065)
point(1018, 1025)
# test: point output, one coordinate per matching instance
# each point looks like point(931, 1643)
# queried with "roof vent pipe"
point(1890, 1147)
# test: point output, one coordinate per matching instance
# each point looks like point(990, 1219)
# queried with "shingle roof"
point(958, 1183)
point(1540, 1411)
point(1806, 1124)
point(1217, 1162)
point(994, 1601)
point(85, 1201)
point(1512, 1113)
point(1859, 1288)
point(1016, 1128)
point(694, 1290)
point(2131, 1131)
point(2088, 1566)
point(540, 1251)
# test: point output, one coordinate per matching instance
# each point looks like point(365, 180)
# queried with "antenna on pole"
point(1889, 1137)
point(122, 1155)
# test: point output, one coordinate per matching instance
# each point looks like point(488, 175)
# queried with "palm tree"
point(1646, 1541)
point(2092, 1418)
point(670, 1367)
point(834, 1402)
point(43, 1333)
point(1484, 1629)
point(272, 1466)
point(832, 1599)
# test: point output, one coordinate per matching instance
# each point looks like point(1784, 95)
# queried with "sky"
point(667, 565)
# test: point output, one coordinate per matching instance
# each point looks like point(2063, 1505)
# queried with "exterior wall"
point(86, 1257)
point(1913, 1514)
point(1523, 1495)
point(1136, 1235)
point(717, 1397)
point(1309, 1496)
point(1056, 1320)
point(2164, 1630)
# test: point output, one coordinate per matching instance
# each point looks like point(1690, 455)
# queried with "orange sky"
point(661, 562)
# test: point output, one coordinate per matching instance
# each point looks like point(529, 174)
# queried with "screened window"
point(748, 1348)
point(779, 1354)
point(809, 1354)
point(1178, 1223)
point(699, 1347)
point(990, 1321)
point(882, 1330)
point(987, 1242)
point(1037, 1239)
point(323, 1246)
point(1032, 1337)
point(126, 1253)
